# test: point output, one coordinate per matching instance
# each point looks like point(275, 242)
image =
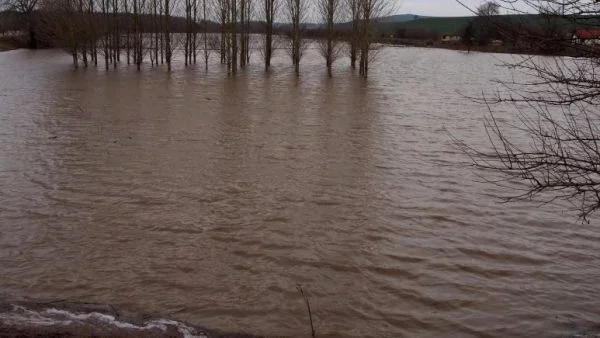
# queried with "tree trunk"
point(205, 35)
point(168, 50)
point(269, 13)
point(234, 45)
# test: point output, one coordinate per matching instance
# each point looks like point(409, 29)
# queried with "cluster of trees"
point(485, 26)
point(135, 31)
point(545, 27)
point(416, 34)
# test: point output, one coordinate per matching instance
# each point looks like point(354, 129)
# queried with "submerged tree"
point(270, 11)
point(297, 11)
point(354, 11)
point(245, 13)
point(63, 26)
point(205, 34)
point(329, 11)
point(166, 25)
point(553, 150)
point(369, 11)
point(138, 30)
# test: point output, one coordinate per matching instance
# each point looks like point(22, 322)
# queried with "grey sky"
point(436, 7)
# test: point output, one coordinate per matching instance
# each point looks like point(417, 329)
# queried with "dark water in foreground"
point(207, 199)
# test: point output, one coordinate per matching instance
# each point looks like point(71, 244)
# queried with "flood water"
point(207, 199)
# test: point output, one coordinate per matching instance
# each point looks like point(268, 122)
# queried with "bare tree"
point(249, 15)
point(329, 12)
point(297, 11)
point(222, 7)
point(188, 31)
point(205, 34)
point(553, 149)
point(244, 4)
point(195, 30)
point(61, 22)
point(137, 33)
point(93, 36)
point(233, 35)
point(270, 11)
point(369, 11)
point(228, 12)
point(26, 8)
point(191, 31)
point(354, 11)
point(488, 9)
point(167, 33)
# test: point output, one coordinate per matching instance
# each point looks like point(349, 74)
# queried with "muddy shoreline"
point(10, 43)
point(75, 319)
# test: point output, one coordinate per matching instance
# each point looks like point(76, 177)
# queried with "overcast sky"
point(436, 7)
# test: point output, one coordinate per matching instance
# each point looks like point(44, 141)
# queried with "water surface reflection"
point(208, 198)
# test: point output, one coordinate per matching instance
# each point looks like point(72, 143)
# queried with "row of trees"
point(135, 31)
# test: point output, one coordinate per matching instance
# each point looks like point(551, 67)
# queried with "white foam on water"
point(56, 317)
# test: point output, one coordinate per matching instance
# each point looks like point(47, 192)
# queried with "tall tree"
point(167, 33)
point(488, 9)
point(223, 12)
point(369, 11)
point(26, 8)
point(354, 9)
point(233, 35)
point(243, 32)
point(62, 26)
point(270, 11)
point(205, 34)
point(328, 11)
point(297, 11)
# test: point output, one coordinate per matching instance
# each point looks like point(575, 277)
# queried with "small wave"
point(52, 320)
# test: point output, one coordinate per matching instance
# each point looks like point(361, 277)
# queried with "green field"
point(442, 26)
point(455, 25)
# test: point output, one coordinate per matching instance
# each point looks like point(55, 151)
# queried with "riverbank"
point(72, 319)
point(490, 48)
point(9, 43)
point(449, 45)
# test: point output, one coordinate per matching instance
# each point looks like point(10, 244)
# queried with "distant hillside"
point(286, 26)
point(455, 25)
point(399, 18)
point(439, 25)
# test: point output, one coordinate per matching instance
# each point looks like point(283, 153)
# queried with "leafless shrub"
point(552, 148)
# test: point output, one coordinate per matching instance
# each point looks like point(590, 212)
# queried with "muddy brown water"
point(204, 198)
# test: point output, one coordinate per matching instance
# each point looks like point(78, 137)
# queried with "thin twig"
point(312, 328)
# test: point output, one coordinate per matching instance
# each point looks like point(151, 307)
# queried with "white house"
point(450, 38)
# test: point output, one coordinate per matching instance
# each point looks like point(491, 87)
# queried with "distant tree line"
point(110, 32)
point(551, 146)
point(549, 31)
point(416, 34)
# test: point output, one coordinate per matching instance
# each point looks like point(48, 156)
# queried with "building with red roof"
point(587, 36)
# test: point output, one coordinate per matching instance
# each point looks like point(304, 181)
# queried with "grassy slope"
point(443, 26)
point(455, 25)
